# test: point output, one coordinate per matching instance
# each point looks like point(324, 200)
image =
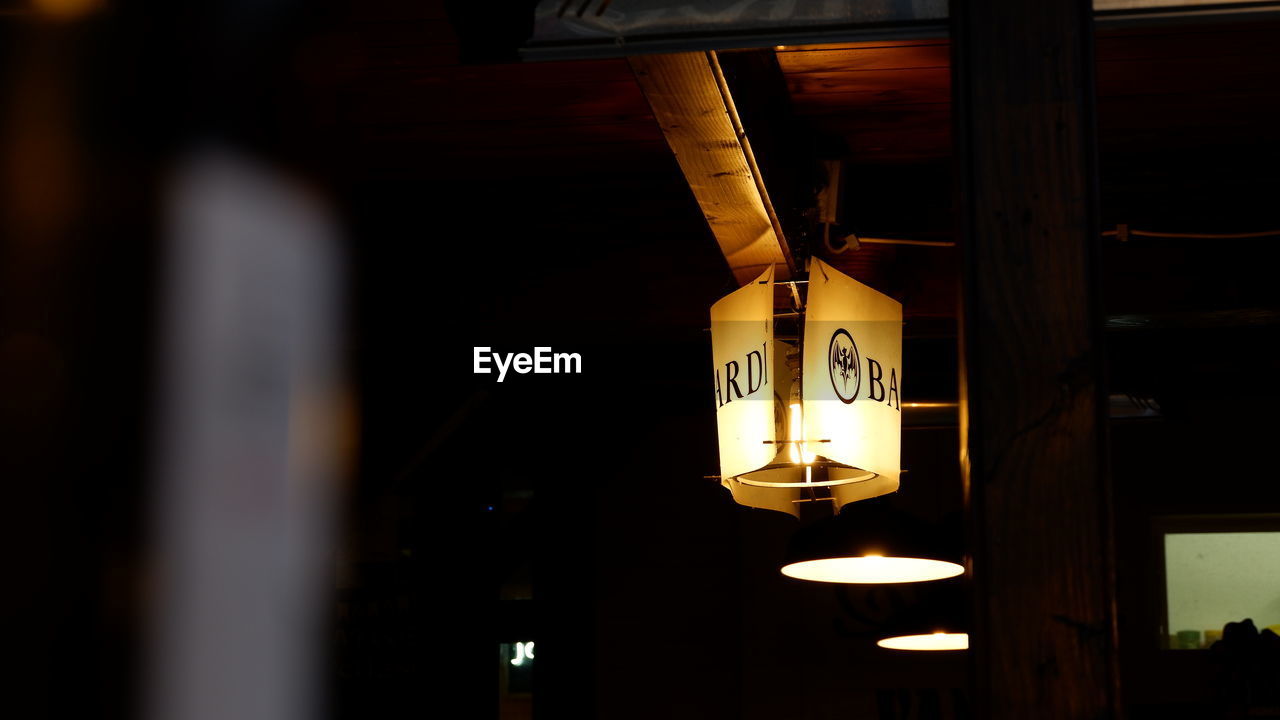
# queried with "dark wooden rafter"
point(693, 105)
point(1032, 415)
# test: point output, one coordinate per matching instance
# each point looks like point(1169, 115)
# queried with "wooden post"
point(1032, 410)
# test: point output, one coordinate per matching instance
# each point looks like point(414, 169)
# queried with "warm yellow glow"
point(797, 428)
point(871, 569)
point(807, 482)
point(935, 641)
point(799, 453)
point(68, 9)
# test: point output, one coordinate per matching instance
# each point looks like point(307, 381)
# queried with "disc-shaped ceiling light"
point(871, 569)
point(936, 621)
point(872, 542)
point(940, 640)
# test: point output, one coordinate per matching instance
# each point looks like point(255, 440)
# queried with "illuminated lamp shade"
point(936, 621)
point(813, 416)
point(872, 542)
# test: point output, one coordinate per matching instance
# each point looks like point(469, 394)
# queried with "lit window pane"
point(1216, 578)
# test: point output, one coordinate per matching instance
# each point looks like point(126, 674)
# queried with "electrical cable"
point(1192, 236)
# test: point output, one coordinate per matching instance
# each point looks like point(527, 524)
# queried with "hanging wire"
point(1122, 231)
point(905, 241)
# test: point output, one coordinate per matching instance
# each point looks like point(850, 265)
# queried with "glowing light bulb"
point(797, 429)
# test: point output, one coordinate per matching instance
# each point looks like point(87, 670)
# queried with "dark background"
point(570, 510)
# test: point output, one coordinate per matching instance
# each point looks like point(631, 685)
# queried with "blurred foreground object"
point(248, 443)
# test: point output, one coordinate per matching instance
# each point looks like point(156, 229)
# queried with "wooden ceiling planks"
point(1203, 41)
point(887, 104)
point(857, 88)
point(1157, 87)
point(887, 101)
point(1209, 95)
point(863, 57)
point(406, 107)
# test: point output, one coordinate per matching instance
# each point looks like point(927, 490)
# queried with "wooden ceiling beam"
point(693, 105)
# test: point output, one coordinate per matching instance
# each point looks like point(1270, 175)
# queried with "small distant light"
point(489, 508)
point(780, 47)
point(935, 641)
point(524, 651)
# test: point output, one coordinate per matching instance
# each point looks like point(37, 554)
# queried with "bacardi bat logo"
point(844, 366)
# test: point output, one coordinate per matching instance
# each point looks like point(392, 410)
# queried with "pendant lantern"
point(815, 419)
